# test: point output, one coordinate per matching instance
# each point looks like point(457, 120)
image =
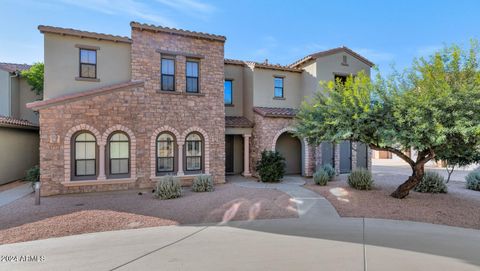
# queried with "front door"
point(228, 154)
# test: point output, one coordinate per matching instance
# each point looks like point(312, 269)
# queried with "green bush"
point(321, 177)
point(33, 175)
point(168, 187)
point(432, 182)
point(329, 169)
point(271, 167)
point(473, 180)
point(360, 179)
point(203, 183)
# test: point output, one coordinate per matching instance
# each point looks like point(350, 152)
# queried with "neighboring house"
point(19, 139)
point(119, 112)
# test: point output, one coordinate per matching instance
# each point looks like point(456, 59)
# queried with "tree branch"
point(399, 153)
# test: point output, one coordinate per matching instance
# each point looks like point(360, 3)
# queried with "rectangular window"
point(168, 74)
point(228, 92)
point(278, 87)
point(192, 76)
point(88, 63)
point(119, 157)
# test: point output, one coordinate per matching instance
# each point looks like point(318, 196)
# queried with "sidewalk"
point(15, 193)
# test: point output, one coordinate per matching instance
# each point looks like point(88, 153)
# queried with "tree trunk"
point(404, 189)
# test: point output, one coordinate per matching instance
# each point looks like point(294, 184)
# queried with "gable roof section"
point(276, 112)
point(82, 34)
point(13, 67)
point(84, 94)
point(299, 62)
point(175, 31)
point(16, 123)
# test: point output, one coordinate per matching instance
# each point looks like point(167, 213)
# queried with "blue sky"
point(386, 32)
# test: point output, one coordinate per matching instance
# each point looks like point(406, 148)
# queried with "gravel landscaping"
point(83, 213)
point(459, 207)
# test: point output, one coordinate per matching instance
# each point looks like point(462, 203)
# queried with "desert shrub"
point(360, 179)
point(32, 175)
point(271, 167)
point(329, 169)
point(168, 187)
point(432, 182)
point(473, 180)
point(321, 177)
point(203, 183)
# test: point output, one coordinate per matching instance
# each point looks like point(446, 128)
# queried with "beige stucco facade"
point(19, 152)
point(61, 54)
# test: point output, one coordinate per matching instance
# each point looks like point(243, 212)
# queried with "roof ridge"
point(178, 31)
point(83, 33)
point(331, 51)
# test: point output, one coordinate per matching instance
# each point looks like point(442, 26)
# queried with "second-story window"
point(88, 63)
point(228, 92)
point(278, 87)
point(168, 74)
point(192, 76)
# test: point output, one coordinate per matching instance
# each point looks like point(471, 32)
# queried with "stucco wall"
point(62, 64)
point(327, 67)
point(235, 73)
point(263, 88)
point(18, 152)
point(26, 95)
point(4, 93)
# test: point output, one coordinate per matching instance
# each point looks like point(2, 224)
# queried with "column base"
point(246, 174)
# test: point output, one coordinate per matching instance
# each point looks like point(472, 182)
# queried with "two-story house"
point(18, 125)
point(119, 112)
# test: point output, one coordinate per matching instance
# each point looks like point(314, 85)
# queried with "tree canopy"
point(433, 107)
point(34, 77)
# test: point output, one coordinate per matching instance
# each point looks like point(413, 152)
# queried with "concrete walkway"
point(318, 240)
point(15, 193)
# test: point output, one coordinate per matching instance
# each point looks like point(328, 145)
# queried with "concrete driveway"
point(318, 240)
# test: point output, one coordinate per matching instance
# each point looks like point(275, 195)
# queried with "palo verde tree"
point(434, 108)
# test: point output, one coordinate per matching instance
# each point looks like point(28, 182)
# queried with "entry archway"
point(290, 147)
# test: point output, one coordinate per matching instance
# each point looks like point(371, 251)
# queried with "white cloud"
point(132, 8)
point(374, 55)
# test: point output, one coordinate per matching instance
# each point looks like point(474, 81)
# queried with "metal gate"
point(345, 157)
point(362, 155)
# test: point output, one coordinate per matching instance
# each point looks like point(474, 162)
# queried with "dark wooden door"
point(229, 153)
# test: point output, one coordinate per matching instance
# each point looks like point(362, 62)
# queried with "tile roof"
point(13, 122)
point(237, 122)
point(273, 66)
point(276, 112)
point(13, 67)
point(331, 52)
point(82, 34)
point(176, 31)
point(234, 62)
point(79, 95)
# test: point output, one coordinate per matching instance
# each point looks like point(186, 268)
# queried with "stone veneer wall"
point(265, 133)
point(142, 110)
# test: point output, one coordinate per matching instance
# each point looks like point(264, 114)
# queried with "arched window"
point(85, 155)
point(165, 153)
point(118, 154)
point(193, 152)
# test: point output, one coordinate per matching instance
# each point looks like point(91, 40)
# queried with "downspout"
point(15, 74)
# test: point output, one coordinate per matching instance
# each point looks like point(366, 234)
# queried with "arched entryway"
point(291, 148)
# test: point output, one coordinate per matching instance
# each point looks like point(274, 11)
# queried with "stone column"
point(101, 162)
point(180, 159)
point(246, 155)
